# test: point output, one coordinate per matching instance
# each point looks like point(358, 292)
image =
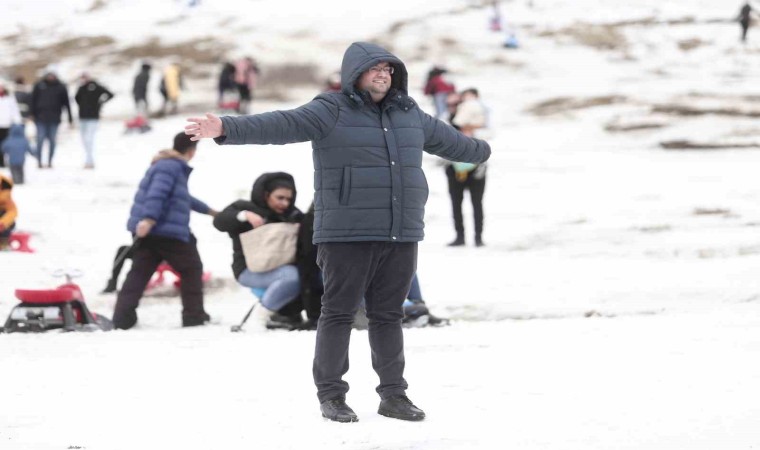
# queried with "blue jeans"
point(46, 130)
point(87, 128)
point(282, 285)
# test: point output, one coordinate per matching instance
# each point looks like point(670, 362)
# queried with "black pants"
point(382, 273)
point(3, 135)
point(456, 191)
point(745, 28)
point(148, 254)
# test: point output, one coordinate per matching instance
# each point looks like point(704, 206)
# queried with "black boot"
point(338, 411)
point(400, 407)
point(458, 242)
point(110, 287)
point(479, 241)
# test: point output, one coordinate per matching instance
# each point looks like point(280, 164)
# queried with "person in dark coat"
point(140, 90)
point(16, 147)
point(23, 97)
point(160, 222)
point(90, 97)
point(49, 97)
point(272, 201)
point(369, 207)
point(745, 19)
point(226, 81)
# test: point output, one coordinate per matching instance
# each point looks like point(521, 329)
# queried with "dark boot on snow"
point(458, 242)
point(400, 407)
point(338, 411)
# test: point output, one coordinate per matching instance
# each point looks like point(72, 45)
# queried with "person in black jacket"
point(90, 97)
point(49, 97)
point(370, 200)
point(23, 97)
point(745, 19)
point(140, 90)
point(272, 200)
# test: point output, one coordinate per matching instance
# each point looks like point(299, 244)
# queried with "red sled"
point(137, 124)
point(49, 309)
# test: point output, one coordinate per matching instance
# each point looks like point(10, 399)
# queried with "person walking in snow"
point(171, 85)
point(90, 97)
point(49, 97)
point(15, 146)
point(246, 79)
point(438, 88)
point(23, 97)
point(470, 116)
point(272, 201)
point(160, 222)
point(9, 115)
point(370, 196)
point(140, 90)
point(745, 19)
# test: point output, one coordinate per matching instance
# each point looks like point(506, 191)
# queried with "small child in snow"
point(16, 147)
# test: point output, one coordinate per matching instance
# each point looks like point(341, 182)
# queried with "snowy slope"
point(659, 249)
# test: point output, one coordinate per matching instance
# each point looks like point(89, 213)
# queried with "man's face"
point(376, 80)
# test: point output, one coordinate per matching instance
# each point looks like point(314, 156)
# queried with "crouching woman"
point(272, 201)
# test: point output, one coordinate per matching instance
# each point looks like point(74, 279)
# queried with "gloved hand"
point(143, 227)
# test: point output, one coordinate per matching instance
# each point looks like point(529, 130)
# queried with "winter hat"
point(183, 144)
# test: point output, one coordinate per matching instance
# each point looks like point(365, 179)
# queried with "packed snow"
point(616, 303)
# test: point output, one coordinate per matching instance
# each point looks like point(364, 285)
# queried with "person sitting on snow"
point(160, 222)
point(8, 211)
point(272, 200)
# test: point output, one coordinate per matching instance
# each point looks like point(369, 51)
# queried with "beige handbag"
point(270, 246)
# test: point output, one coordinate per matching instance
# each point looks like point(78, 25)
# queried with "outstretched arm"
point(311, 121)
point(444, 141)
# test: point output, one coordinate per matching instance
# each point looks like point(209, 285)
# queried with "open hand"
point(199, 128)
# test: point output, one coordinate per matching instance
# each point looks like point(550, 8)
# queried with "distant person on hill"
point(745, 19)
point(90, 97)
point(49, 97)
point(9, 115)
point(438, 88)
point(140, 90)
point(226, 82)
point(246, 79)
point(23, 97)
point(171, 85)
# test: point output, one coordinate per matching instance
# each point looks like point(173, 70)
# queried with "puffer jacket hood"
point(360, 56)
point(260, 187)
point(168, 154)
point(17, 131)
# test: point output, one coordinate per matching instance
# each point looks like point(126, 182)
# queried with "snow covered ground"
point(616, 304)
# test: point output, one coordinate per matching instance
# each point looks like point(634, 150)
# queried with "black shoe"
point(338, 411)
point(479, 241)
point(458, 242)
point(400, 407)
point(196, 321)
point(283, 322)
point(308, 325)
point(110, 287)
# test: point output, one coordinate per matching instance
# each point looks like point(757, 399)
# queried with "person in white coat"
point(9, 115)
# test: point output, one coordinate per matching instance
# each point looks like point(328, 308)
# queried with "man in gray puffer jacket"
point(369, 206)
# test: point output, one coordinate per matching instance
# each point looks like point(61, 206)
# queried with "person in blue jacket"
point(16, 147)
point(160, 222)
point(369, 206)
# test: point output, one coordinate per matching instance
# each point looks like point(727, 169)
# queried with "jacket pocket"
point(345, 187)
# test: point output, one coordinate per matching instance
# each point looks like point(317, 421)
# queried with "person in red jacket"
point(438, 88)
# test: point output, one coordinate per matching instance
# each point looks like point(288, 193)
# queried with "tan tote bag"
point(270, 246)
